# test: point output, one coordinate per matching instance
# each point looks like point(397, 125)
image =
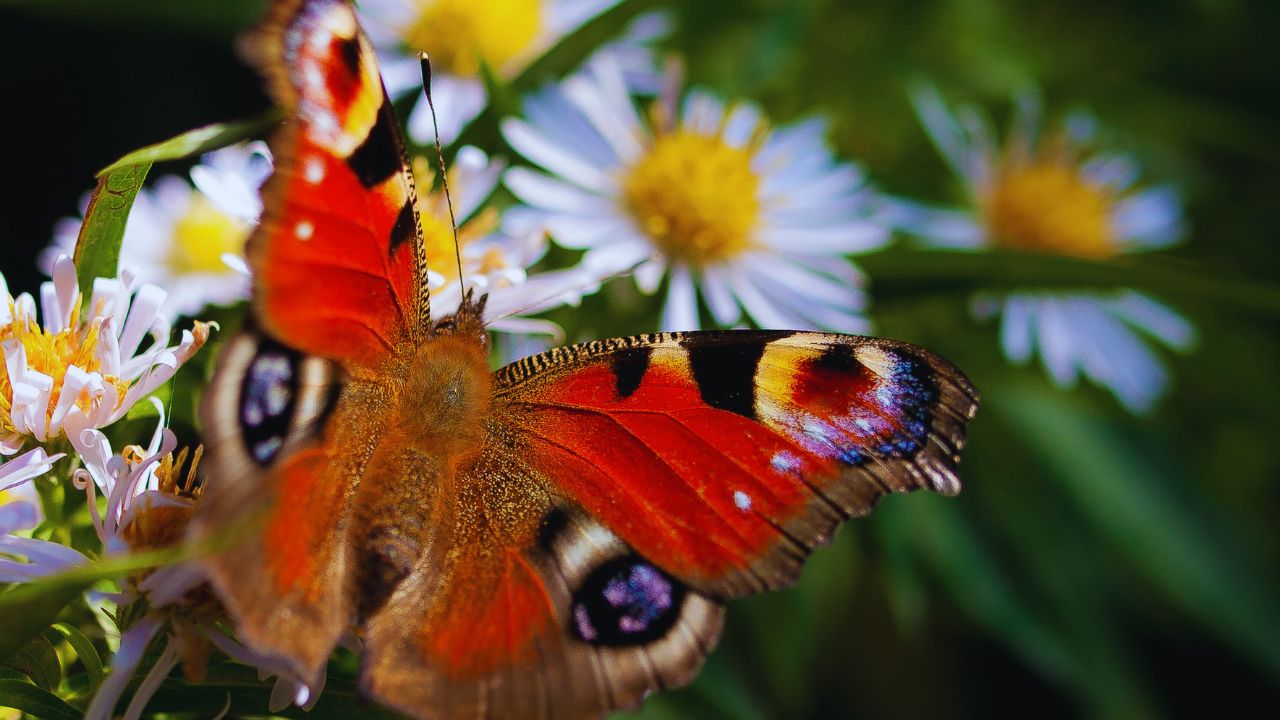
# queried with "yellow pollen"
point(695, 196)
point(52, 354)
point(458, 34)
point(1048, 206)
point(202, 236)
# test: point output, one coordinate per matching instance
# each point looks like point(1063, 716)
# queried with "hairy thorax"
point(439, 394)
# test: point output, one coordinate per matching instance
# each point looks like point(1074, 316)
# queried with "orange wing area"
point(278, 519)
point(725, 457)
point(338, 262)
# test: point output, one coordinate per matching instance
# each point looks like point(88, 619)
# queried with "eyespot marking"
point(268, 396)
point(626, 601)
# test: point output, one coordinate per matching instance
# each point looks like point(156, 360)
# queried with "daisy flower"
point(189, 241)
point(149, 502)
point(85, 365)
point(749, 217)
point(461, 36)
point(494, 262)
point(1060, 195)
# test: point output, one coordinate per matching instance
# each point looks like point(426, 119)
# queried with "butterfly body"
point(553, 539)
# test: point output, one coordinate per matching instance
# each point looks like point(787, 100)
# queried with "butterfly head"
point(467, 321)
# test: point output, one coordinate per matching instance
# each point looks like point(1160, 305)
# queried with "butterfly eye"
point(446, 326)
point(626, 601)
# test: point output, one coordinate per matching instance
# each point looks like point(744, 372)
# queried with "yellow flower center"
point(1048, 206)
point(458, 34)
point(695, 196)
point(203, 235)
point(52, 354)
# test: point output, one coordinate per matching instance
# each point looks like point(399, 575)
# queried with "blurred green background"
point(1097, 564)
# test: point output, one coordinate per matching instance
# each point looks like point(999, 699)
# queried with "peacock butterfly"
point(553, 539)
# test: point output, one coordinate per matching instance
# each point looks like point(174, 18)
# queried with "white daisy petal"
point(1017, 327)
point(1154, 318)
point(533, 145)
point(681, 309)
point(543, 191)
point(719, 298)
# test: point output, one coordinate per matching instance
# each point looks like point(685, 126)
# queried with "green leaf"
point(196, 142)
point(35, 702)
point(38, 661)
point(98, 247)
point(911, 273)
point(1126, 497)
point(85, 650)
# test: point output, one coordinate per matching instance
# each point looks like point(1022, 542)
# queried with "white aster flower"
point(1058, 195)
point(189, 241)
point(462, 35)
point(149, 502)
point(20, 511)
point(494, 262)
point(749, 217)
point(86, 364)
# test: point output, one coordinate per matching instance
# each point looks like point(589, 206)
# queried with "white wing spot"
point(742, 500)
point(314, 170)
point(304, 230)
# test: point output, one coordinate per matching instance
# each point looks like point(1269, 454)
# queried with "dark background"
point(1097, 564)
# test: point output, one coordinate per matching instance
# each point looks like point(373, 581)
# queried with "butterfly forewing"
point(338, 262)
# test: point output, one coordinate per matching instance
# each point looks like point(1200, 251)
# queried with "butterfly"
point(554, 539)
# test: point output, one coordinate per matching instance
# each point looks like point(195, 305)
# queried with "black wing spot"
point(553, 523)
point(629, 366)
point(626, 601)
point(349, 54)
point(268, 398)
point(839, 359)
point(726, 371)
point(405, 228)
point(379, 156)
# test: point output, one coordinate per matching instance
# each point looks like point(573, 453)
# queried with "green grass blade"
point(1128, 501)
point(85, 651)
point(35, 702)
point(38, 661)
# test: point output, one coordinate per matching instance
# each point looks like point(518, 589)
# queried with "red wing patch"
point(725, 457)
point(338, 262)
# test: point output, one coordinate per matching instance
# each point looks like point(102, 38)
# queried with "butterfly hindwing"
point(339, 267)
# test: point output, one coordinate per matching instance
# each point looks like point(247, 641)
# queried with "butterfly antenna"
point(425, 62)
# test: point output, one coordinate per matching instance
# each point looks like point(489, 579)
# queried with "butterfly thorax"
point(441, 393)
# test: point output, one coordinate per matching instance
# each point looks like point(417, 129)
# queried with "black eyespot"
point(626, 601)
point(268, 396)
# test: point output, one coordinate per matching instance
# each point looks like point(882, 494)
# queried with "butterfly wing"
point(339, 266)
point(339, 283)
point(627, 486)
